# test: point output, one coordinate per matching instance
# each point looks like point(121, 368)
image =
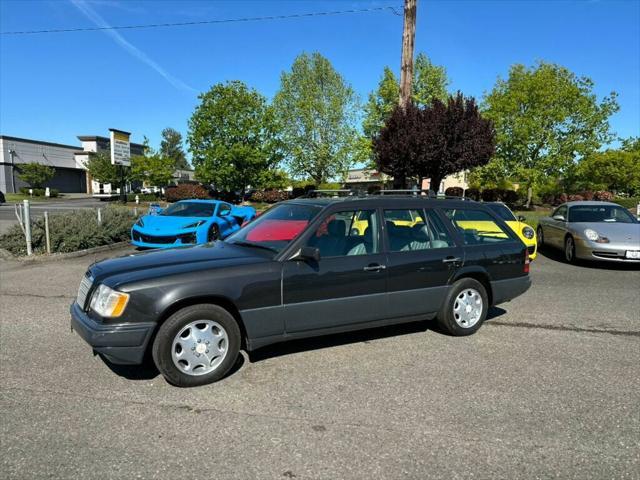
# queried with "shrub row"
point(601, 195)
point(185, 191)
point(72, 231)
point(487, 195)
point(269, 196)
point(39, 192)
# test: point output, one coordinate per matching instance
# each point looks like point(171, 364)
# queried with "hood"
point(625, 233)
point(175, 260)
point(160, 223)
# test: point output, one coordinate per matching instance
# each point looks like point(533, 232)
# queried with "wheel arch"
point(217, 300)
point(478, 274)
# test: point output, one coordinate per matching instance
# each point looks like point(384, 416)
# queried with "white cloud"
point(134, 51)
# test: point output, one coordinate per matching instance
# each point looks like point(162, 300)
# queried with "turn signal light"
point(527, 261)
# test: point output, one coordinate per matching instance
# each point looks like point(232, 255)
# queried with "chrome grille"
point(83, 290)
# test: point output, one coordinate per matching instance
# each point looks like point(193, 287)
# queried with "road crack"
point(563, 328)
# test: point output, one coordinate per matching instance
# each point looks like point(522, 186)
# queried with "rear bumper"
point(123, 343)
point(505, 290)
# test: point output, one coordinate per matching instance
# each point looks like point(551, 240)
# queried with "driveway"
point(548, 388)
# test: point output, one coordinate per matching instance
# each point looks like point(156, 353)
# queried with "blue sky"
point(57, 86)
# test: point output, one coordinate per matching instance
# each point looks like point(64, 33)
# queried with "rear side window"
point(476, 226)
point(412, 230)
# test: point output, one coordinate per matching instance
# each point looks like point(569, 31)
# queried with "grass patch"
point(19, 197)
point(533, 216)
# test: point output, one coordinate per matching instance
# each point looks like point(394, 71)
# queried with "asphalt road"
point(548, 388)
point(8, 216)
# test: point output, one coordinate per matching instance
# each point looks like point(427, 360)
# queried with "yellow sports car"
point(400, 218)
point(524, 231)
point(464, 220)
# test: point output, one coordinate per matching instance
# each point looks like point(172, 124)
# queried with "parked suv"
point(305, 267)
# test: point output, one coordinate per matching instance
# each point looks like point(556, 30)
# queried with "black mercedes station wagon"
point(305, 267)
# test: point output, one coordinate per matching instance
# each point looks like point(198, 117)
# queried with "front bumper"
point(608, 252)
point(143, 239)
point(123, 343)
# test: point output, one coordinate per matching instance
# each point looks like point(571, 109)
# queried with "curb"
point(6, 255)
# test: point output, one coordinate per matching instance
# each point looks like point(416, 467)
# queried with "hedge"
point(40, 192)
point(72, 231)
point(185, 191)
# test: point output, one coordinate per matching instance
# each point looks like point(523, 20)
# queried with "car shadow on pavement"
point(558, 256)
point(337, 339)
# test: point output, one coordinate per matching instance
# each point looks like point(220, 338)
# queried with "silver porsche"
point(592, 231)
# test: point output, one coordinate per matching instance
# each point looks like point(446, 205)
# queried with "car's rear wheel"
point(196, 345)
point(465, 307)
point(214, 233)
point(569, 249)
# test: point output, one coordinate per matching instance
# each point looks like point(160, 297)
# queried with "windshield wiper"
point(251, 244)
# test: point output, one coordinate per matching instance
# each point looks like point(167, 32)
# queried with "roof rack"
point(327, 193)
point(407, 191)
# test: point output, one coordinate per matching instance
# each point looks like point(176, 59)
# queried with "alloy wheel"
point(199, 347)
point(467, 308)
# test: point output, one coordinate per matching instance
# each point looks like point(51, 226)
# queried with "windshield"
point(600, 214)
point(276, 227)
point(503, 212)
point(189, 209)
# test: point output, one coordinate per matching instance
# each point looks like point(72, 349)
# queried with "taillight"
point(527, 261)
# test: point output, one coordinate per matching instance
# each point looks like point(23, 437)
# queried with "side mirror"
point(559, 218)
point(521, 218)
point(224, 213)
point(307, 253)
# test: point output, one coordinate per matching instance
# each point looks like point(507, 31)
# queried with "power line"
point(207, 22)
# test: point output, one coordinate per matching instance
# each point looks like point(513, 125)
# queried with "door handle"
point(374, 268)
point(451, 260)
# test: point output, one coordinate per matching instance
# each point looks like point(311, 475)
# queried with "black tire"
point(446, 317)
point(540, 237)
point(162, 345)
point(214, 233)
point(570, 250)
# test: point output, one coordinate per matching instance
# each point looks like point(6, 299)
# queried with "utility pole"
point(408, 41)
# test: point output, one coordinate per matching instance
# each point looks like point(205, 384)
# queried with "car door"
point(556, 228)
point(226, 222)
point(421, 259)
point(347, 285)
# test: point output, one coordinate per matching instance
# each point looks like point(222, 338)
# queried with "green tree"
point(316, 109)
point(546, 119)
point(614, 170)
point(430, 82)
point(155, 170)
point(36, 174)
point(102, 170)
point(171, 147)
point(232, 137)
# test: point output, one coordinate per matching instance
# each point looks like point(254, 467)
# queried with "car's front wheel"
point(214, 233)
point(196, 345)
point(570, 249)
point(465, 307)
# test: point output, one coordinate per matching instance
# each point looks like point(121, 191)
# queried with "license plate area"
point(633, 254)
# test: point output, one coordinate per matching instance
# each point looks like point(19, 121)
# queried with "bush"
point(628, 202)
point(575, 198)
point(40, 192)
point(72, 231)
point(454, 192)
point(587, 195)
point(490, 195)
point(185, 191)
point(269, 196)
point(297, 192)
point(473, 194)
point(603, 196)
point(143, 197)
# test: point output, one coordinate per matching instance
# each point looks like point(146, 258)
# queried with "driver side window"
point(347, 233)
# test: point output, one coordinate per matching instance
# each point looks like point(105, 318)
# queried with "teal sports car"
point(189, 222)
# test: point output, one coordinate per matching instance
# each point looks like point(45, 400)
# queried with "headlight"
point(106, 302)
point(528, 232)
point(140, 222)
point(194, 225)
point(595, 236)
